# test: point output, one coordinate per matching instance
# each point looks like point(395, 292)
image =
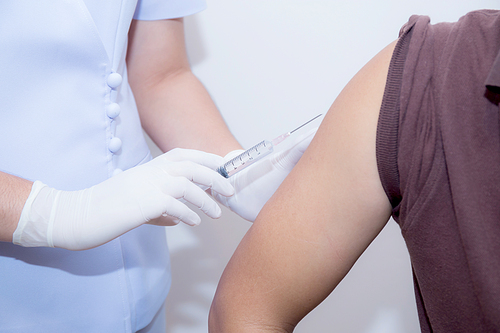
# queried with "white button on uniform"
point(114, 80)
point(113, 110)
point(114, 145)
point(117, 171)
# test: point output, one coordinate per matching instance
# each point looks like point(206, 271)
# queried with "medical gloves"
point(255, 184)
point(149, 193)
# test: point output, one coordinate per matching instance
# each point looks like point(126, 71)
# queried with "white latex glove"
point(255, 185)
point(78, 220)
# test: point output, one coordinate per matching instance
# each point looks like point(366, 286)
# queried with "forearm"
point(175, 108)
point(177, 111)
point(13, 194)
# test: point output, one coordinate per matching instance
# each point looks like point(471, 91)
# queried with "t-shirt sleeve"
point(167, 9)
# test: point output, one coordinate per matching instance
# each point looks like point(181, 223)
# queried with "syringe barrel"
point(245, 159)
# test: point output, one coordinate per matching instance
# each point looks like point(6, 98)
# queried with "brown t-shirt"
point(438, 153)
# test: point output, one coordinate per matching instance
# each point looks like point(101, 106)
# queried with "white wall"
point(270, 65)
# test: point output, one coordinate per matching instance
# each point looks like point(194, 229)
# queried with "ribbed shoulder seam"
point(388, 122)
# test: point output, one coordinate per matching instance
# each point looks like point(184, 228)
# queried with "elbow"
point(152, 80)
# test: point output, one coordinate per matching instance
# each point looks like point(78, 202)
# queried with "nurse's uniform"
point(68, 119)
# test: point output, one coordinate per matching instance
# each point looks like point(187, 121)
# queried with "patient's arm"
point(324, 215)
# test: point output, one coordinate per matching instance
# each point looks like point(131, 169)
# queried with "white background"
point(270, 65)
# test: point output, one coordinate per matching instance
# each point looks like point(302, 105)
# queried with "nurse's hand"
point(255, 185)
point(149, 193)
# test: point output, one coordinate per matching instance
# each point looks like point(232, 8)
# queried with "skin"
point(318, 223)
point(13, 194)
point(174, 107)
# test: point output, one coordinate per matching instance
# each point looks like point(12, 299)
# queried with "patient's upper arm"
point(324, 215)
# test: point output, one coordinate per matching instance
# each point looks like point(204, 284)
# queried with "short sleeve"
point(167, 9)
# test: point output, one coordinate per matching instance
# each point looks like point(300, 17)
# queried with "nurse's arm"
point(175, 108)
point(321, 219)
point(13, 194)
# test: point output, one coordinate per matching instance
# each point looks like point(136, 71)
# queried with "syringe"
point(252, 155)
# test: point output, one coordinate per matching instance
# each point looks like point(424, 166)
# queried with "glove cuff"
point(33, 224)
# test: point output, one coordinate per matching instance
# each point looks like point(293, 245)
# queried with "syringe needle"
point(304, 124)
point(282, 137)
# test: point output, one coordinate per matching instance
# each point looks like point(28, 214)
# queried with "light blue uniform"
point(68, 118)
